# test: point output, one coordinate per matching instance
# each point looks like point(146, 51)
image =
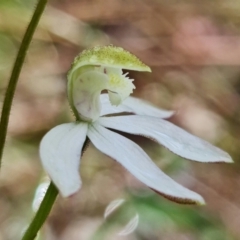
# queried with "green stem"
point(16, 72)
point(42, 213)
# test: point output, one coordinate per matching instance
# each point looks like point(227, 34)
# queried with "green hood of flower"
point(97, 69)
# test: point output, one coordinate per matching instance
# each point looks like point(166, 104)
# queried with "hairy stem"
point(42, 213)
point(16, 72)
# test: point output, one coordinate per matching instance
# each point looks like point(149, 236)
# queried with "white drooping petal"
point(60, 152)
point(169, 135)
point(137, 162)
point(141, 107)
point(133, 105)
point(108, 108)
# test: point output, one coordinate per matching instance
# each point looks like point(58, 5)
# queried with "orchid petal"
point(108, 108)
point(119, 88)
point(60, 152)
point(141, 107)
point(86, 92)
point(169, 135)
point(137, 162)
point(133, 105)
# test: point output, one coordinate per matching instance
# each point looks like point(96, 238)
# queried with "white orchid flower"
point(93, 71)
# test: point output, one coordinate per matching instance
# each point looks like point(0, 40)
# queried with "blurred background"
point(193, 48)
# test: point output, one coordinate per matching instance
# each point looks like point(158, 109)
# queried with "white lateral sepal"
point(60, 152)
point(169, 135)
point(138, 163)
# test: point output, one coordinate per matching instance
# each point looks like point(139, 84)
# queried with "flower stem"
point(16, 72)
point(42, 213)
